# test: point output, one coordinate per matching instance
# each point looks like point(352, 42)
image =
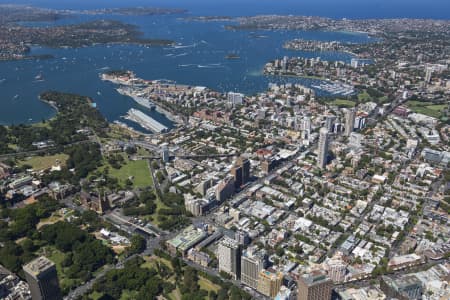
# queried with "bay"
point(199, 59)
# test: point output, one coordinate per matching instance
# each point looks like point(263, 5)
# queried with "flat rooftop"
point(38, 266)
point(188, 238)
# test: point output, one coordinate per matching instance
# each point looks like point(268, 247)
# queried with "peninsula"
point(16, 39)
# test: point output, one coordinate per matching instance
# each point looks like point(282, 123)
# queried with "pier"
point(146, 121)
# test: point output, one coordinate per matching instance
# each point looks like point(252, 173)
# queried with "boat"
point(232, 56)
point(39, 77)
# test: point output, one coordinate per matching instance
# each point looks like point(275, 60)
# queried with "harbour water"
point(198, 59)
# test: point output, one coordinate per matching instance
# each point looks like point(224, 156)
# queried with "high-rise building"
point(403, 288)
point(204, 185)
point(322, 153)
point(314, 286)
point(251, 265)
point(235, 99)
point(229, 256)
point(165, 153)
point(305, 128)
point(241, 172)
point(236, 171)
point(242, 237)
point(245, 164)
point(428, 74)
point(269, 283)
point(349, 121)
point(43, 280)
point(355, 140)
point(354, 63)
point(329, 122)
point(225, 189)
point(337, 271)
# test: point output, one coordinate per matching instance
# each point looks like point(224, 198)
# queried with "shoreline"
point(174, 118)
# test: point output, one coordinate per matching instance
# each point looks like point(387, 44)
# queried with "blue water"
point(200, 62)
point(436, 9)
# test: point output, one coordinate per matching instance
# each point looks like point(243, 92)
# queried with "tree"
point(190, 281)
point(138, 244)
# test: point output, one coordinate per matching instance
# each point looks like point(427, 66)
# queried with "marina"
point(145, 121)
point(336, 88)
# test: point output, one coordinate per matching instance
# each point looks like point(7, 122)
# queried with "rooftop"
point(39, 265)
point(315, 277)
point(187, 238)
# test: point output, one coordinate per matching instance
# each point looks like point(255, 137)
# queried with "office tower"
point(251, 265)
point(241, 172)
point(329, 123)
point(267, 165)
point(42, 279)
point(349, 121)
point(284, 63)
point(165, 154)
point(428, 74)
point(322, 153)
point(229, 255)
point(236, 171)
point(269, 283)
point(314, 286)
point(305, 129)
point(245, 164)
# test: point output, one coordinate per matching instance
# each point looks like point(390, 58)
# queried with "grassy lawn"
point(383, 99)
point(55, 217)
point(44, 162)
point(138, 169)
point(128, 295)
point(343, 103)
point(95, 295)
point(364, 96)
point(207, 285)
point(152, 260)
point(204, 284)
point(432, 110)
point(154, 216)
point(175, 295)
